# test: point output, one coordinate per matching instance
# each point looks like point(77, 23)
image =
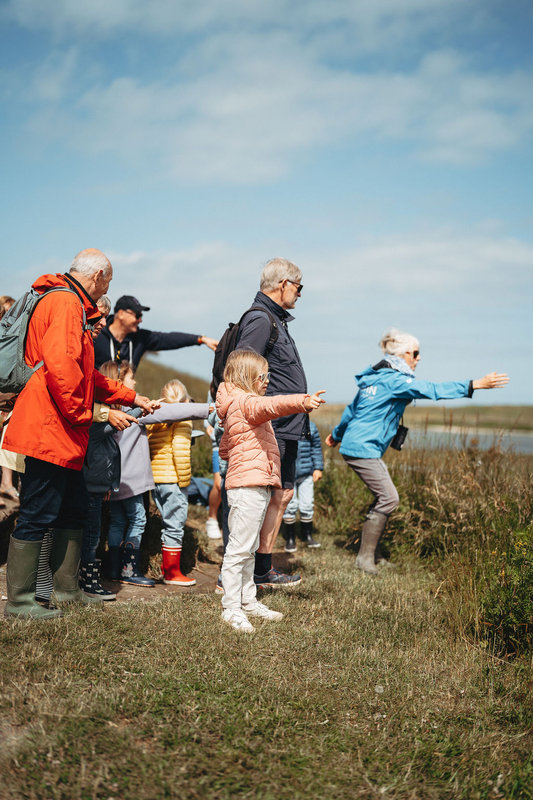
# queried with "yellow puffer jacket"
point(170, 452)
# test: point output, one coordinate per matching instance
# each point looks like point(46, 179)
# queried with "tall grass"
point(470, 512)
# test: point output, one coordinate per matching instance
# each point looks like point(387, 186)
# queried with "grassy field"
point(361, 690)
point(388, 687)
point(413, 685)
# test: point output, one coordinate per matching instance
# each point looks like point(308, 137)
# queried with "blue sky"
point(384, 146)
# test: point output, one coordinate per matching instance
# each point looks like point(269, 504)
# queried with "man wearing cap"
point(123, 340)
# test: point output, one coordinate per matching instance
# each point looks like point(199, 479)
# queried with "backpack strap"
point(274, 328)
point(85, 325)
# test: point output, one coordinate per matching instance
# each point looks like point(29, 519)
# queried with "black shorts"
point(288, 452)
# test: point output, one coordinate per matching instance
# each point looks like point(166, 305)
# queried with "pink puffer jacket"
point(248, 442)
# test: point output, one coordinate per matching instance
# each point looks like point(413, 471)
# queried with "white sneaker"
point(237, 619)
point(212, 529)
point(260, 610)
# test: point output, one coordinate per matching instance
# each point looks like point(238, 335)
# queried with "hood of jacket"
point(370, 376)
point(51, 281)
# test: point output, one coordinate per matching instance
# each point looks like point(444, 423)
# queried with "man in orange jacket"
point(50, 426)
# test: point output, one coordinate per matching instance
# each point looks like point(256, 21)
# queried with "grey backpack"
point(14, 372)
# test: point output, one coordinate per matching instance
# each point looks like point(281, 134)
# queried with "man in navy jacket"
point(280, 288)
point(123, 340)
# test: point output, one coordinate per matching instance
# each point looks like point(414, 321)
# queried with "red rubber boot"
point(171, 567)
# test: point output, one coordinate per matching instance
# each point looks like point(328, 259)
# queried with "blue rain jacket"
point(370, 422)
point(309, 454)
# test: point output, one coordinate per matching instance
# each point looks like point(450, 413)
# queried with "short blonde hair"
point(396, 342)
point(175, 392)
point(242, 369)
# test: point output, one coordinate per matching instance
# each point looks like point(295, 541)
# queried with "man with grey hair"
point(50, 426)
point(280, 288)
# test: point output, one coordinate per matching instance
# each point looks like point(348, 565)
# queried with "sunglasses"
point(299, 286)
point(264, 376)
point(416, 353)
point(135, 314)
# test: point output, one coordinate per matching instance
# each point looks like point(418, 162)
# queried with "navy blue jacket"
point(287, 374)
point(101, 468)
point(135, 345)
point(309, 454)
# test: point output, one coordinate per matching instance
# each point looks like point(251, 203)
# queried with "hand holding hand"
point(313, 401)
point(330, 441)
point(120, 420)
point(494, 380)
point(147, 405)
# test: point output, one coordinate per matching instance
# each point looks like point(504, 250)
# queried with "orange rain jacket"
point(54, 411)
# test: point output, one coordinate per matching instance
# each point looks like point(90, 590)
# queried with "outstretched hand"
point(330, 441)
point(120, 420)
point(147, 405)
point(494, 380)
point(211, 343)
point(314, 400)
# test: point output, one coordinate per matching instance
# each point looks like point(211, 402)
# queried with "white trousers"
point(247, 508)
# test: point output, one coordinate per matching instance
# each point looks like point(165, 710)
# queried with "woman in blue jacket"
point(370, 423)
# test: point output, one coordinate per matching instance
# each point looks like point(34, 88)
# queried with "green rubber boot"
point(22, 566)
point(65, 565)
point(371, 534)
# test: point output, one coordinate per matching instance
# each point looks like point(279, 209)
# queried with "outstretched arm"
point(493, 380)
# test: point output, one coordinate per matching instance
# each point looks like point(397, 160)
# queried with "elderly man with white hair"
point(50, 426)
point(372, 422)
point(265, 330)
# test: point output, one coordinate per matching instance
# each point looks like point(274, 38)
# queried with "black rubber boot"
point(22, 566)
point(288, 535)
point(306, 532)
point(65, 564)
point(372, 530)
point(90, 581)
point(130, 569)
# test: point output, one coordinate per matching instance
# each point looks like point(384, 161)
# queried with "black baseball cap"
point(127, 302)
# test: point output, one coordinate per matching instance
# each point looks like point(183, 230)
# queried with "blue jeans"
point(128, 521)
point(50, 497)
point(173, 505)
point(92, 528)
point(303, 499)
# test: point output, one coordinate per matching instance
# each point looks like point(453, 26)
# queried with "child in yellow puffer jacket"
point(170, 454)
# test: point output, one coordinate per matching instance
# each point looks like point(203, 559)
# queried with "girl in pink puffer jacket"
point(250, 447)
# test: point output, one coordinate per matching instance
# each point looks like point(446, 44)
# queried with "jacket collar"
point(264, 300)
point(89, 305)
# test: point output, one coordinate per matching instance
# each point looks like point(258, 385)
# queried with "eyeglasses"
point(299, 286)
point(265, 376)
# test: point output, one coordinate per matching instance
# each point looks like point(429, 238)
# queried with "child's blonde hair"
point(175, 392)
point(243, 367)
point(116, 371)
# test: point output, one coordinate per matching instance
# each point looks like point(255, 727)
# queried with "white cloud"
point(372, 22)
point(248, 112)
